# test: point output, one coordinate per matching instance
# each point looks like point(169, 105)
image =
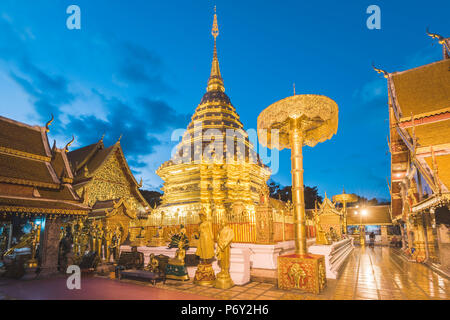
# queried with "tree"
point(285, 194)
point(152, 197)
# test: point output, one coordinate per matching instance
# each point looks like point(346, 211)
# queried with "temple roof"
point(424, 90)
point(21, 137)
point(34, 179)
point(87, 160)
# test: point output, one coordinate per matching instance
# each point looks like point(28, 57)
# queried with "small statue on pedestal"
point(224, 239)
point(205, 251)
point(176, 268)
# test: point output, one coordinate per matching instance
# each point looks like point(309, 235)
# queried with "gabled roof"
point(23, 138)
point(87, 160)
point(34, 179)
point(424, 90)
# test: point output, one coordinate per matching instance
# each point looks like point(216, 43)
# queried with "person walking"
point(372, 240)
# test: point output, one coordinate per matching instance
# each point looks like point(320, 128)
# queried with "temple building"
point(36, 194)
point(215, 167)
point(419, 113)
point(105, 183)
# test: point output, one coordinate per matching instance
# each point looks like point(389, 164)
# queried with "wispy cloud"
point(141, 119)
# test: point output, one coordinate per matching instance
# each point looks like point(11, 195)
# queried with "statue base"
point(176, 272)
point(204, 275)
point(223, 281)
point(304, 272)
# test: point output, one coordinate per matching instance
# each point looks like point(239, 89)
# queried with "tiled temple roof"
point(34, 179)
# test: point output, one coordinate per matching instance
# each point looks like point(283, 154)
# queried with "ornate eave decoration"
point(116, 205)
point(30, 183)
point(24, 154)
point(436, 200)
point(42, 211)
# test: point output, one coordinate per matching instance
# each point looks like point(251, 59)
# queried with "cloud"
point(144, 121)
point(371, 91)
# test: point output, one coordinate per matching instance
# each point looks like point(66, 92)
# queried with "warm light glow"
point(364, 212)
point(356, 213)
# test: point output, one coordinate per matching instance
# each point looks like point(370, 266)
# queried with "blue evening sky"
point(139, 68)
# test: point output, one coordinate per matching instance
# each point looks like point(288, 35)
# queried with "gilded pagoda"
point(215, 167)
point(419, 113)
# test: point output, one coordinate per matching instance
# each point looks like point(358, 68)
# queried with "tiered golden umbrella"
point(292, 123)
point(345, 198)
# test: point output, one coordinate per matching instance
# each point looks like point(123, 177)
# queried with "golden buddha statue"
point(205, 251)
point(224, 239)
point(321, 236)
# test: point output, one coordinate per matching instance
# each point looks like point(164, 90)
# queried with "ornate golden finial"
point(140, 183)
point(49, 123)
point(385, 74)
point(294, 88)
point(101, 139)
point(215, 82)
point(66, 148)
point(120, 138)
point(215, 27)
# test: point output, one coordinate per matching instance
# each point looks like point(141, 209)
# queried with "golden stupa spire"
point(215, 81)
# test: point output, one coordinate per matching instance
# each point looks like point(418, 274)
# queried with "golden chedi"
point(215, 166)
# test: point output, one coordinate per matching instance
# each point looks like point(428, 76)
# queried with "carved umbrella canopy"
point(292, 123)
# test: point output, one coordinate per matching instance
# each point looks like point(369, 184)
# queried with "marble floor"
point(374, 274)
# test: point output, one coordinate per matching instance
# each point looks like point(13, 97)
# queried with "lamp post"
point(362, 239)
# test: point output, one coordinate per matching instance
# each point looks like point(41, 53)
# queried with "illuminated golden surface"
point(318, 114)
point(378, 274)
point(424, 89)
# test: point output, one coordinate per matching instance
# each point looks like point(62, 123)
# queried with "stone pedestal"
point(304, 272)
point(335, 255)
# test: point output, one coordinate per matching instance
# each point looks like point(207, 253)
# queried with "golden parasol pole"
point(298, 197)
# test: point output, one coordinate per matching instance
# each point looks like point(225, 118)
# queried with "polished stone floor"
point(375, 274)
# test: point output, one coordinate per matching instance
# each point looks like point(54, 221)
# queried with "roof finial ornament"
point(441, 41)
point(215, 27)
point(49, 123)
point(385, 73)
point(294, 88)
point(440, 38)
point(140, 183)
point(66, 148)
point(215, 82)
point(101, 139)
point(120, 138)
